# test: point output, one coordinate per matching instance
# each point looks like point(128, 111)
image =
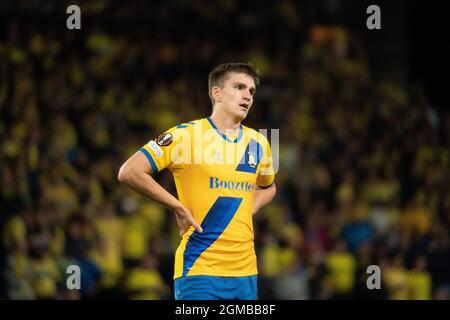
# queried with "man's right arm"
point(136, 174)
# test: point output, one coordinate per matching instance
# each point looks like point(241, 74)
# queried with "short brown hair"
point(219, 75)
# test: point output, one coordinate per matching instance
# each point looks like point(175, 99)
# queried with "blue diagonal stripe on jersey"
point(214, 223)
point(248, 164)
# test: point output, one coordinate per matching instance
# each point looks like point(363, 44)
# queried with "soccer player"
point(223, 174)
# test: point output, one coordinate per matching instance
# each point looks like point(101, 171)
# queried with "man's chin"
point(238, 115)
point(241, 115)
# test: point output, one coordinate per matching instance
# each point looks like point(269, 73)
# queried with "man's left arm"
point(263, 196)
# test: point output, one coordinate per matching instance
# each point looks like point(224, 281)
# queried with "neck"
point(223, 121)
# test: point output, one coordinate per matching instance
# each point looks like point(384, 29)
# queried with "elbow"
point(124, 174)
point(274, 190)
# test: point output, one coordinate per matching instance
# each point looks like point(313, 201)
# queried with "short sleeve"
point(164, 151)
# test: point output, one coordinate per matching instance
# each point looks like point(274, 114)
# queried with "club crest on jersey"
point(164, 139)
point(252, 159)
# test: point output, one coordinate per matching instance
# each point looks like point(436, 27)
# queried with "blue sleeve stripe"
point(150, 159)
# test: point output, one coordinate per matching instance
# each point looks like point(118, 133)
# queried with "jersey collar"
point(237, 139)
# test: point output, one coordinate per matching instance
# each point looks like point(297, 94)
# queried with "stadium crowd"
point(363, 160)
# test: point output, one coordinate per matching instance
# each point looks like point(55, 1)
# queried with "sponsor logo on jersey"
point(216, 183)
point(155, 148)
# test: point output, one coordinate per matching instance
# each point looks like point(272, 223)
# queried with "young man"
point(223, 175)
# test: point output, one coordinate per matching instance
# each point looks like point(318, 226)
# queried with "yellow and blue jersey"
point(215, 177)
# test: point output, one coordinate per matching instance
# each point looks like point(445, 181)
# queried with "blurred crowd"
point(364, 160)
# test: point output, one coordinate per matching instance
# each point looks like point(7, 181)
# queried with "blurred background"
point(364, 142)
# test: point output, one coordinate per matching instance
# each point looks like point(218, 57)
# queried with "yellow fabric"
point(397, 282)
point(144, 284)
point(135, 236)
point(58, 242)
point(341, 268)
point(271, 265)
point(204, 165)
point(420, 283)
point(416, 219)
point(45, 276)
point(14, 232)
point(108, 255)
point(155, 216)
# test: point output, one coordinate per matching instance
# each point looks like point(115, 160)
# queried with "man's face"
point(236, 96)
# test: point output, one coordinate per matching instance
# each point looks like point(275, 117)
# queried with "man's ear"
point(216, 93)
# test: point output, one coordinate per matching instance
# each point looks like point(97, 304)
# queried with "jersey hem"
point(217, 275)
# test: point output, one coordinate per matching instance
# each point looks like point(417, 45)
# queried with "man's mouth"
point(244, 105)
